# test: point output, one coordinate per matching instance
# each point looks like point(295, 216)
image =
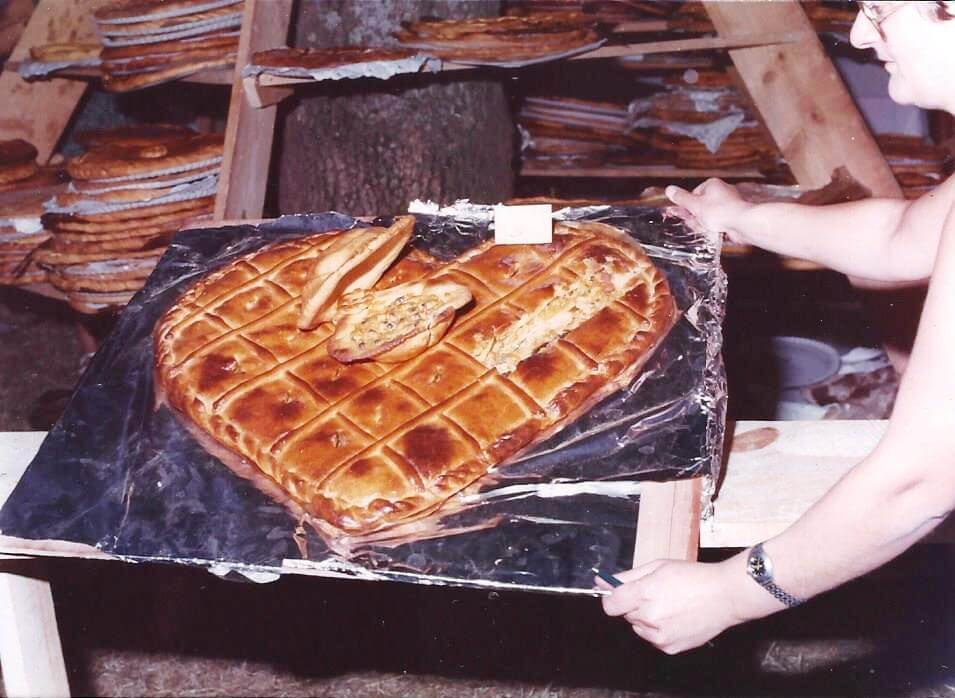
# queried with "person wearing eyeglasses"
point(906, 486)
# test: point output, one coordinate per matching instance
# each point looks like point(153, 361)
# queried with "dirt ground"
point(153, 630)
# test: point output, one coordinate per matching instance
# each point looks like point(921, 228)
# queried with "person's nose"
point(863, 34)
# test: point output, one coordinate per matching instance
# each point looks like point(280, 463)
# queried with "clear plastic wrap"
point(382, 70)
point(125, 477)
point(421, 63)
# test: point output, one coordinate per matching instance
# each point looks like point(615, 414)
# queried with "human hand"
point(714, 206)
point(676, 605)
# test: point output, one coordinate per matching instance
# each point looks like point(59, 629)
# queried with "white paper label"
point(523, 225)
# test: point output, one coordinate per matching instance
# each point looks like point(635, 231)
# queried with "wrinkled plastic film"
point(125, 477)
point(381, 70)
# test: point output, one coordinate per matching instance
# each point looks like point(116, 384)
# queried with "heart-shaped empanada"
point(361, 446)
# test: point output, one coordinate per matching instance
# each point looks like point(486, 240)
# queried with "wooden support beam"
point(249, 131)
point(31, 658)
point(260, 96)
point(668, 522)
point(813, 119)
point(800, 96)
point(40, 111)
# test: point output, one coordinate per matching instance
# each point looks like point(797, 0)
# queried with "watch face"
point(757, 567)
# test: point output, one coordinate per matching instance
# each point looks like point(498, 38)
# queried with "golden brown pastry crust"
point(502, 39)
point(81, 276)
point(130, 232)
point(16, 152)
point(22, 275)
point(218, 38)
point(122, 161)
point(119, 196)
point(133, 66)
point(17, 161)
point(94, 186)
point(52, 53)
point(45, 178)
point(168, 24)
point(318, 58)
point(19, 242)
point(47, 255)
point(129, 243)
point(193, 206)
point(540, 22)
point(174, 70)
point(94, 284)
point(364, 446)
point(149, 8)
point(97, 301)
point(139, 135)
point(12, 174)
point(73, 226)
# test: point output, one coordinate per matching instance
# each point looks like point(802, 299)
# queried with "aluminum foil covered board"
point(127, 478)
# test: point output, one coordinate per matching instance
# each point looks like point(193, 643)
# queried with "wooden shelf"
point(213, 76)
point(705, 43)
point(640, 172)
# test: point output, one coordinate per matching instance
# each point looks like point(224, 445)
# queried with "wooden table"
point(773, 472)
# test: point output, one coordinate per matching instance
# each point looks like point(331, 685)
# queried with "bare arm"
point(882, 506)
point(907, 485)
point(879, 239)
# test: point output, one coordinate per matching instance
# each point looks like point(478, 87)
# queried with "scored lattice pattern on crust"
point(365, 445)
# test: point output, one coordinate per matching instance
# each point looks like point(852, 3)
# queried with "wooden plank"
point(249, 131)
point(30, 651)
point(777, 470)
point(39, 111)
point(642, 25)
point(755, 37)
point(639, 171)
point(17, 449)
point(705, 43)
point(668, 521)
point(801, 97)
point(260, 96)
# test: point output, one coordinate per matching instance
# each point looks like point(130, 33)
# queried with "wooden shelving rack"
point(39, 111)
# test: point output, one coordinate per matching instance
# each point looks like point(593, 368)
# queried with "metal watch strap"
point(765, 576)
point(787, 599)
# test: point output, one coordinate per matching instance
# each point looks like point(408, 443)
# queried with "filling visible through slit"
point(571, 304)
point(405, 316)
point(397, 323)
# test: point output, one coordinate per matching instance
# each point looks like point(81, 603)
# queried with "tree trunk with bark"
point(368, 146)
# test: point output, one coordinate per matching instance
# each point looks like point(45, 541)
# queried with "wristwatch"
point(759, 566)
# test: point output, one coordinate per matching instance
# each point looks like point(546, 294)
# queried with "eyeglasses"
point(878, 12)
